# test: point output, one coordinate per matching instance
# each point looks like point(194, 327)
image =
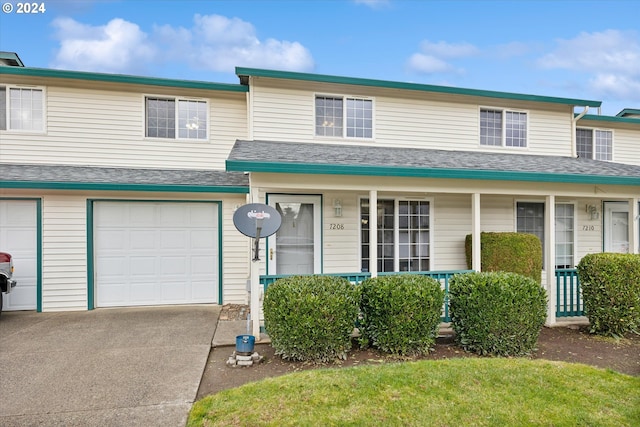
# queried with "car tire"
point(0, 302)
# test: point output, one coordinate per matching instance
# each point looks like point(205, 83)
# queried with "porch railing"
point(568, 294)
point(356, 278)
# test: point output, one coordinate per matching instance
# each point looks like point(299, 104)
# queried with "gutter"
point(574, 149)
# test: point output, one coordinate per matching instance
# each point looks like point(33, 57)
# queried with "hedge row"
point(313, 317)
point(611, 292)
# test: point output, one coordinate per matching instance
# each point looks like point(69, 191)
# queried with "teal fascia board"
point(628, 111)
point(614, 119)
point(241, 71)
point(121, 78)
point(365, 170)
point(95, 186)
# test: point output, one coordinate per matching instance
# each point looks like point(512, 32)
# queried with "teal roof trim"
point(124, 187)
point(412, 172)
point(121, 78)
point(628, 111)
point(11, 59)
point(614, 119)
point(241, 71)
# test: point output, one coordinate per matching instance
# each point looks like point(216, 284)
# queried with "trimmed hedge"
point(497, 313)
point(514, 252)
point(400, 314)
point(311, 318)
point(611, 292)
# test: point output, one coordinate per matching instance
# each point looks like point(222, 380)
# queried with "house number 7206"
point(336, 226)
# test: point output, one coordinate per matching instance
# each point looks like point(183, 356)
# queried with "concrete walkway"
point(105, 367)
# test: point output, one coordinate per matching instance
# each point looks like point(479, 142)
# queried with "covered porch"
point(372, 210)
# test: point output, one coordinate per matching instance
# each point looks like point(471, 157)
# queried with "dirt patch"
point(573, 344)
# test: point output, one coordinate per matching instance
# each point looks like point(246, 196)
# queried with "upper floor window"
point(503, 128)
point(176, 118)
point(21, 109)
point(594, 144)
point(344, 117)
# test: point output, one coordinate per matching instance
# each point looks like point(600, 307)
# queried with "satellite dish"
point(257, 220)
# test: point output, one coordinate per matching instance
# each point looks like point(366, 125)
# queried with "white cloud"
point(434, 57)
point(117, 47)
point(611, 57)
point(220, 44)
point(214, 42)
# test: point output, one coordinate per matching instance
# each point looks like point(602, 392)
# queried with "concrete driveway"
point(105, 367)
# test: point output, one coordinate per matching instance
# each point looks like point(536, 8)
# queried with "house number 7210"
point(588, 228)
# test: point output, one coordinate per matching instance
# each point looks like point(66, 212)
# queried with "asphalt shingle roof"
point(125, 176)
point(389, 157)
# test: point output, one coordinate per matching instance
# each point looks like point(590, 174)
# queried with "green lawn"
point(455, 392)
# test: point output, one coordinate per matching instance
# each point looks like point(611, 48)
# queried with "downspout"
point(574, 122)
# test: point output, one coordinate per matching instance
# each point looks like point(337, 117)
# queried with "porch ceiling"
point(360, 160)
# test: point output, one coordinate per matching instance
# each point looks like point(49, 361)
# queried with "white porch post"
point(634, 226)
point(476, 254)
point(550, 258)
point(255, 285)
point(373, 233)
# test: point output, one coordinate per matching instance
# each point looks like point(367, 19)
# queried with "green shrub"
point(514, 252)
point(311, 318)
point(611, 292)
point(400, 313)
point(497, 313)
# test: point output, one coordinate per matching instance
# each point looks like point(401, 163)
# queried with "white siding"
point(626, 146)
point(341, 245)
point(452, 223)
point(106, 128)
point(403, 118)
point(235, 255)
point(64, 253)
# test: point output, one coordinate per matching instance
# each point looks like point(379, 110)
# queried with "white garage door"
point(18, 236)
point(153, 253)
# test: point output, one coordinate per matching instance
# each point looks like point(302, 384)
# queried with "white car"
point(6, 274)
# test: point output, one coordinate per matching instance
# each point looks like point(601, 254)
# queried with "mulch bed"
point(568, 344)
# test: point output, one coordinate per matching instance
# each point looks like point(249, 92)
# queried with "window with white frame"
point(175, 118)
point(530, 219)
point(404, 228)
point(503, 128)
point(21, 109)
point(565, 235)
point(344, 117)
point(594, 144)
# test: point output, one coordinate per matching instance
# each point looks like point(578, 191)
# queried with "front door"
point(296, 247)
point(616, 227)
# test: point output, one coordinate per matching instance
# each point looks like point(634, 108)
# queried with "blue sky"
point(577, 49)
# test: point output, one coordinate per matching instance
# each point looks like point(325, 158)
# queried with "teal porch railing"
point(568, 294)
point(356, 278)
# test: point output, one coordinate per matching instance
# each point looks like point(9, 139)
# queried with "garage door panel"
point(170, 258)
point(18, 236)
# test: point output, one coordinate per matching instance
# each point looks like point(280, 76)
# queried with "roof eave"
point(411, 172)
point(244, 72)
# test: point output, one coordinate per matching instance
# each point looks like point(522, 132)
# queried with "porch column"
point(634, 226)
point(550, 258)
point(255, 284)
point(373, 233)
point(476, 256)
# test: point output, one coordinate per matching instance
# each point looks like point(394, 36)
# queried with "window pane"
point(192, 119)
point(516, 129)
point(530, 219)
point(564, 235)
point(160, 118)
point(359, 118)
point(25, 109)
point(328, 116)
point(490, 127)
point(3, 108)
point(584, 143)
point(604, 145)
